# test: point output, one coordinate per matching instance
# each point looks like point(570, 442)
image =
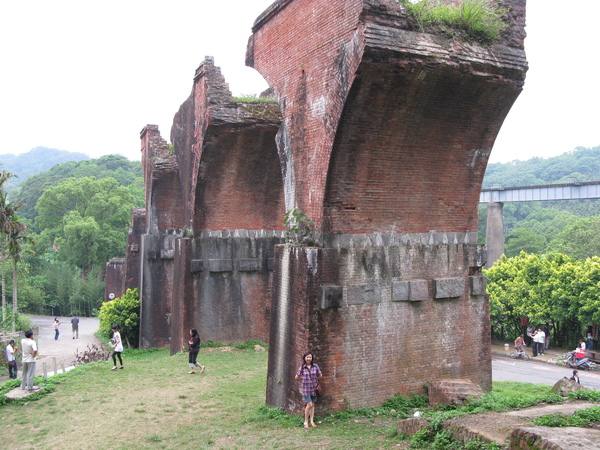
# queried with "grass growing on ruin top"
point(253, 98)
point(479, 20)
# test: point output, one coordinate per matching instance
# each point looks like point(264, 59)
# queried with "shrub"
point(124, 312)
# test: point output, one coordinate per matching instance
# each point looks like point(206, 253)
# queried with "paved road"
point(65, 347)
point(506, 369)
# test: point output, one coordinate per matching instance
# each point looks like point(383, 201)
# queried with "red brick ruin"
point(381, 134)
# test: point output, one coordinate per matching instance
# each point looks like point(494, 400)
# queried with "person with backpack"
point(11, 351)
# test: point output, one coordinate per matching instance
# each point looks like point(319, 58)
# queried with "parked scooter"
point(519, 354)
point(579, 363)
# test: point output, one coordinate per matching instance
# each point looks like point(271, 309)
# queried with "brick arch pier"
point(381, 134)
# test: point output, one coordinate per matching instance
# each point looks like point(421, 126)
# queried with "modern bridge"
point(496, 197)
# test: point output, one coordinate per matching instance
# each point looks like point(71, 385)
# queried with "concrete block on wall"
point(449, 287)
point(358, 294)
point(248, 264)
point(412, 290)
point(400, 291)
point(220, 265)
point(478, 285)
point(196, 265)
point(329, 297)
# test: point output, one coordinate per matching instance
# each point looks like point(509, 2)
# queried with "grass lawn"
point(155, 403)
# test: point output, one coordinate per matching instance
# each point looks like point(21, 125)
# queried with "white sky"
point(87, 76)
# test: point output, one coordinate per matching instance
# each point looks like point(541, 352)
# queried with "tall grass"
point(479, 20)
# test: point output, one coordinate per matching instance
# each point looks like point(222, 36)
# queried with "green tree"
point(524, 239)
point(124, 312)
point(551, 288)
point(11, 233)
point(580, 239)
point(85, 220)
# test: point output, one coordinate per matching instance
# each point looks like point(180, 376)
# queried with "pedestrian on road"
point(117, 345)
point(30, 351)
point(55, 325)
point(75, 327)
point(194, 349)
point(309, 372)
point(11, 353)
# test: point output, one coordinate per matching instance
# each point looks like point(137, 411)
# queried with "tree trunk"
point(3, 287)
point(14, 311)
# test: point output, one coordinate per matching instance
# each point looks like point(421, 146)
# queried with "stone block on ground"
point(565, 386)
point(560, 438)
point(453, 392)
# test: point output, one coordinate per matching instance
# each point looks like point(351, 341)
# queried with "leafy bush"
point(124, 312)
point(581, 418)
point(591, 396)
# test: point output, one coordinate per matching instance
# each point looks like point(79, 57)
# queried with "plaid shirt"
point(309, 379)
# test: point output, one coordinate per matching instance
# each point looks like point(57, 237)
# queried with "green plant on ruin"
point(253, 98)
point(478, 20)
point(299, 228)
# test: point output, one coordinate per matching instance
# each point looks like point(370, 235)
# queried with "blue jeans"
point(56, 334)
point(12, 370)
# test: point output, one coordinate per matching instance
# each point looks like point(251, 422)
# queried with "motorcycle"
point(579, 363)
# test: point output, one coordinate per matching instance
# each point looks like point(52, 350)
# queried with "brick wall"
point(214, 213)
point(114, 278)
point(385, 139)
point(407, 313)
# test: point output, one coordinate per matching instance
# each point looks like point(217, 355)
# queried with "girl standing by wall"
point(309, 372)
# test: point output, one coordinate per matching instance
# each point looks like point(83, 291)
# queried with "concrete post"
point(494, 234)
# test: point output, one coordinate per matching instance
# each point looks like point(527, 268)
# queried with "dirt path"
point(63, 349)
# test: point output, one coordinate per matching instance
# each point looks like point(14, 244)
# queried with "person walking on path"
point(194, 349)
point(11, 352)
point(55, 325)
point(309, 372)
point(75, 327)
point(117, 345)
point(29, 349)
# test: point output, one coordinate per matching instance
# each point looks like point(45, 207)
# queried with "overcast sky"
point(87, 76)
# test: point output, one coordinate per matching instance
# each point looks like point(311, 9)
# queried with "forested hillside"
point(72, 218)
point(540, 227)
point(33, 162)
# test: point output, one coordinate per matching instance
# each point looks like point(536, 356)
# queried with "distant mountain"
point(33, 162)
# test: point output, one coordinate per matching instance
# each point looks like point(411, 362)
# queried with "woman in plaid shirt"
point(309, 373)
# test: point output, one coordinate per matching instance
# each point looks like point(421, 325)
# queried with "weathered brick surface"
point(373, 347)
point(114, 278)
point(411, 426)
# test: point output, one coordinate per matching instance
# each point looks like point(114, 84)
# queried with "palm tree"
point(9, 223)
point(14, 244)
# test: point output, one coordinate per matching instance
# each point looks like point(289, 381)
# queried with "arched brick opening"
point(411, 151)
point(239, 181)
